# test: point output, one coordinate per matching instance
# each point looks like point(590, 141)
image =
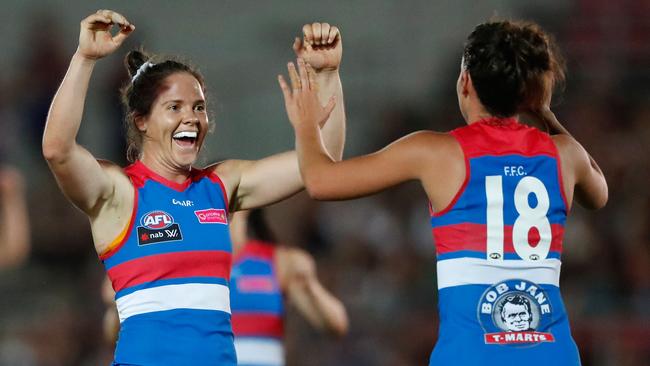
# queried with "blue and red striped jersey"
point(257, 306)
point(170, 270)
point(499, 247)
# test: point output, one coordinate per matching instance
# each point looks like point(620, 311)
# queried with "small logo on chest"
point(212, 216)
point(157, 227)
point(184, 203)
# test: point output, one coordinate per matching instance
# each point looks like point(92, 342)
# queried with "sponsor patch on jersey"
point(515, 312)
point(252, 283)
point(158, 227)
point(211, 216)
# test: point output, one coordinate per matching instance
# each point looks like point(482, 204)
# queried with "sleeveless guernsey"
point(170, 270)
point(257, 307)
point(499, 246)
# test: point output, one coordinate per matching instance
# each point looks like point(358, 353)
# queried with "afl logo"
point(515, 312)
point(156, 220)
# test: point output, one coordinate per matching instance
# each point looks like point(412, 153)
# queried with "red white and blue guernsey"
point(170, 269)
point(498, 247)
point(257, 306)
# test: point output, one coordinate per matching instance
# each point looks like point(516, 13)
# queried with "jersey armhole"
point(119, 241)
point(560, 178)
point(462, 188)
point(215, 178)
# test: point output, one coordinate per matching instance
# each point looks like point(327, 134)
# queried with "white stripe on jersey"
point(201, 296)
point(259, 351)
point(476, 271)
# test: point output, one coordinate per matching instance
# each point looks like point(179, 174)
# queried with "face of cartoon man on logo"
point(516, 313)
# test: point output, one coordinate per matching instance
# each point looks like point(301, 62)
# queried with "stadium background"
point(400, 64)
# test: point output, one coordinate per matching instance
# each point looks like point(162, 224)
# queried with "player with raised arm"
point(499, 193)
point(160, 225)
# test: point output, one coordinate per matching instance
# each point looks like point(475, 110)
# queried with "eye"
point(199, 108)
point(173, 107)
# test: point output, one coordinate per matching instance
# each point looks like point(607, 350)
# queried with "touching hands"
point(95, 37)
point(301, 100)
point(321, 46)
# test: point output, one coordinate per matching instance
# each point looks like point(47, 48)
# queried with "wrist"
point(328, 73)
point(85, 59)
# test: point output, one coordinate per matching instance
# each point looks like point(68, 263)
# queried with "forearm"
point(64, 117)
point(312, 157)
point(322, 309)
point(333, 132)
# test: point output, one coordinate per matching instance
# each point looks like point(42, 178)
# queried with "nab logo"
point(158, 227)
point(156, 220)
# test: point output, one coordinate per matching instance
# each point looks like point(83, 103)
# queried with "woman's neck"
point(166, 170)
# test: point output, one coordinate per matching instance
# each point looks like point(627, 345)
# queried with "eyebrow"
point(180, 101)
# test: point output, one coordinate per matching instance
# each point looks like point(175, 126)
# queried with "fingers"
point(293, 77)
point(308, 34)
point(286, 92)
point(313, 84)
point(103, 19)
point(316, 30)
point(333, 35)
point(304, 78)
point(115, 17)
point(93, 19)
point(320, 34)
point(297, 45)
point(124, 32)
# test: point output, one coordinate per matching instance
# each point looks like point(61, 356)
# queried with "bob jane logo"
point(157, 227)
point(515, 312)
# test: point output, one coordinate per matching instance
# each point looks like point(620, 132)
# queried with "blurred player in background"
point(499, 194)
point(160, 225)
point(264, 274)
point(14, 220)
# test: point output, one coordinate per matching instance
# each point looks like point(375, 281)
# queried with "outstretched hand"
point(95, 37)
point(301, 100)
point(321, 46)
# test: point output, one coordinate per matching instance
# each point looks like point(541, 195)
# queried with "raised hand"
point(301, 100)
point(321, 46)
point(95, 37)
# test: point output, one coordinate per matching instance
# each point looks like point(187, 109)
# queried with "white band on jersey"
point(476, 271)
point(259, 351)
point(200, 296)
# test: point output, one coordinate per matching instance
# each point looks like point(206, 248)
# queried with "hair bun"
point(134, 59)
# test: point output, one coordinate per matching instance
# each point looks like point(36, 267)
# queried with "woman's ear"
point(465, 83)
point(140, 123)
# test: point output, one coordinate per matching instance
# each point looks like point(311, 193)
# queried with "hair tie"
point(141, 70)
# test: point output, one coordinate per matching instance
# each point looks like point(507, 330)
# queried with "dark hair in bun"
point(512, 65)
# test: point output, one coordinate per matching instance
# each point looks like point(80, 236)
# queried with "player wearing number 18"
point(499, 193)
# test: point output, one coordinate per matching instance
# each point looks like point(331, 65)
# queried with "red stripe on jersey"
point(503, 137)
point(256, 249)
point(473, 237)
point(203, 263)
point(257, 324)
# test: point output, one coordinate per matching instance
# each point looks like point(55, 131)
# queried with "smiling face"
point(176, 126)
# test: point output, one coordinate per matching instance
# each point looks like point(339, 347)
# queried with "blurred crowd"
point(376, 254)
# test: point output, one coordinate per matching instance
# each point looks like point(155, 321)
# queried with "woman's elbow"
point(316, 187)
point(54, 151)
point(341, 326)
